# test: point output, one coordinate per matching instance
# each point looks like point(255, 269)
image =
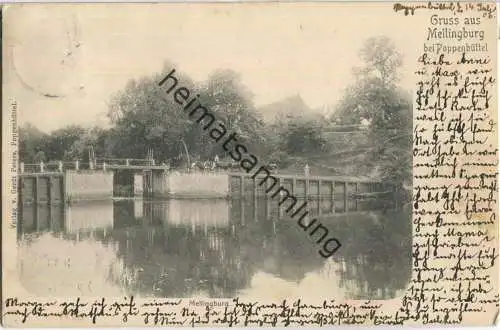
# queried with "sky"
point(64, 62)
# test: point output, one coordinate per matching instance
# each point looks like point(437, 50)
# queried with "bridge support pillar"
point(36, 190)
point(356, 187)
point(332, 196)
point(280, 211)
point(50, 189)
point(195, 185)
point(268, 206)
point(320, 199)
point(138, 184)
point(96, 185)
point(242, 212)
point(345, 196)
point(306, 189)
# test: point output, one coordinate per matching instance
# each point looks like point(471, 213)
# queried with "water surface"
point(210, 248)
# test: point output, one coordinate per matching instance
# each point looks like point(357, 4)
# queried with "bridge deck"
point(55, 168)
point(284, 176)
point(40, 174)
point(136, 167)
point(291, 176)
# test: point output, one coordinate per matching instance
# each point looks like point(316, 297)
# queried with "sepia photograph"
point(226, 152)
point(215, 173)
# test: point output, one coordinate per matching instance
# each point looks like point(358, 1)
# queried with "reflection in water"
point(97, 216)
point(213, 213)
point(210, 248)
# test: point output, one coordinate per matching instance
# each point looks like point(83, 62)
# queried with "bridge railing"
point(40, 167)
point(100, 163)
point(30, 168)
point(125, 161)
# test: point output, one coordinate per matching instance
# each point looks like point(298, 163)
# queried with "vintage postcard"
point(249, 164)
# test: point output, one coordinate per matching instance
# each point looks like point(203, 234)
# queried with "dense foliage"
point(143, 116)
point(376, 98)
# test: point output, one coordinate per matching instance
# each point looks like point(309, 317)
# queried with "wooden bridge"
point(56, 182)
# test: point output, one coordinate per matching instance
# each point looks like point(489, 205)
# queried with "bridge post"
point(21, 167)
point(319, 197)
point(345, 196)
point(50, 187)
point(127, 162)
point(332, 196)
point(356, 199)
point(41, 166)
point(306, 188)
point(77, 165)
point(104, 166)
point(153, 162)
point(280, 184)
point(60, 166)
point(255, 200)
point(242, 208)
point(36, 190)
point(242, 185)
point(254, 186)
point(138, 182)
point(268, 205)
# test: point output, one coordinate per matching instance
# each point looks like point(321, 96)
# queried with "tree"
point(96, 138)
point(145, 117)
point(376, 98)
point(231, 101)
point(375, 88)
point(382, 60)
point(31, 141)
point(303, 136)
point(58, 144)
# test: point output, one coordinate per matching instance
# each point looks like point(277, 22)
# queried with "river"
point(209, 249)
